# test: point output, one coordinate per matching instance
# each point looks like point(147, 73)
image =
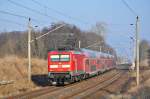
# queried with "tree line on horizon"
point(68, 37)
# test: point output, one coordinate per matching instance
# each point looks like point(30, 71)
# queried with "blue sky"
point(86, 14)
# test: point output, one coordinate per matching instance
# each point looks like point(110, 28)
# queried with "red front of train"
point(75, 65)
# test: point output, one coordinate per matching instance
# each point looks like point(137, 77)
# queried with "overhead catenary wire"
point(31, 9)
point(48, 32)
point(59, 12)
point(13, 22)
point(20, 16)
point(131, 9)
point(123, 51)
point(117, 24)
point(9, 13)
point(96, 43)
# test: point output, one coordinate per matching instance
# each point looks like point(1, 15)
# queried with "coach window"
point(87, 62)
point(98, 61)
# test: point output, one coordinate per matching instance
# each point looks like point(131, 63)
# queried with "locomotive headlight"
point(53, 66)
point(65, 66)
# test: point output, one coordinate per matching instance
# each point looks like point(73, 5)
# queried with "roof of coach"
point(96, 53)
point(85, 51)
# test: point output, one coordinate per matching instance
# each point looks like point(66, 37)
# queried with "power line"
point(131, 10)
point(48, 32)
point(117, 24)
point(30, 9)
point(9, 21)
point(8, 13)
point(93, 44)
point(60, 13)
point(20, 16)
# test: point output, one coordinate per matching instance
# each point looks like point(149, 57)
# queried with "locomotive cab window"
point(64, 58)
point(56, 58)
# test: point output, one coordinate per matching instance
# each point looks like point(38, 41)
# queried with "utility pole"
point(133, 51)
point(29, 50)
point(137, 51)
point(36, 45)
point(134, 54)
point(100, 48)
point(79, 44)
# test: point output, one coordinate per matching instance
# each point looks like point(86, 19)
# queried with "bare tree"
point(100, 29)
point(67, 37)
point(144, 48)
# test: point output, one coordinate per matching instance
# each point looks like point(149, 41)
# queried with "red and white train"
point(74, 65)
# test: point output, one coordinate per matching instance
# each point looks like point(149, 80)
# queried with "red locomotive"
point(74, 65)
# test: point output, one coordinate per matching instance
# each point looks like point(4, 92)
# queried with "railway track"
point(114, 88)
point(80, 90)
point(76, 90)
point(121, 90)
point(92, 89)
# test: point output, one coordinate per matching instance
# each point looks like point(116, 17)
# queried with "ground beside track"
point(129, 90)
point(123, 87)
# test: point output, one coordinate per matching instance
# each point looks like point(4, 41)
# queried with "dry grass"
point(15, 68)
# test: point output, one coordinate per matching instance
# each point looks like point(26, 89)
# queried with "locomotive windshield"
point(62, 58)
point(54, 58)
